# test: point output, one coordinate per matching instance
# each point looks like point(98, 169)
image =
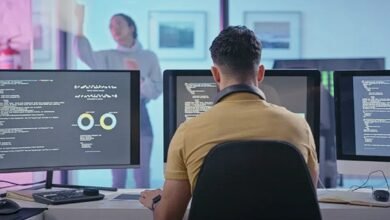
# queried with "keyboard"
point(65, 197)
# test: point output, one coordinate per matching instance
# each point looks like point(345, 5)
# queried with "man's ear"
point(216, 74)
point(260, 73)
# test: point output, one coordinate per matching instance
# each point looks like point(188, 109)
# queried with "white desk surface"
point(132, 209)
point(37, 217)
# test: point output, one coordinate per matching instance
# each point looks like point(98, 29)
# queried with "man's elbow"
point(314, 176)
point(165, 216)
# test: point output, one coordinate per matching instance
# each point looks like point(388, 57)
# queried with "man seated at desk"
point(240, 115)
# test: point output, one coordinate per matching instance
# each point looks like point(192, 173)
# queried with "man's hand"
point(174, 200)
point(147, 196)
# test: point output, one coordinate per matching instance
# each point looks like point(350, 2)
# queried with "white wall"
point(332, 28)
point(47, 9)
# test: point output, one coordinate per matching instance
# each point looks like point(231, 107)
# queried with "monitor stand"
point(49, 184)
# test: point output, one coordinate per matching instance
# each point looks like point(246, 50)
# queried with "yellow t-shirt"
point(239, 116)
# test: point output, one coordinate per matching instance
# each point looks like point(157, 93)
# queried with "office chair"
point(254, 180)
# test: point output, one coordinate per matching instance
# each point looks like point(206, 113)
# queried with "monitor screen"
point(58, 119)
point(362, 109)
point(187, 93)
point(362, 101)
point(327, 118)
point(327, 67)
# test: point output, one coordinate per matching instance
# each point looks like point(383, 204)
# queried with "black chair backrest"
point(254, 180)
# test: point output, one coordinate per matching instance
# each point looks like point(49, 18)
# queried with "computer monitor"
point(327, 66)
point(327, 116)
point(66, 120)
point(188, 93)
point(332, 63)
point(362, 106)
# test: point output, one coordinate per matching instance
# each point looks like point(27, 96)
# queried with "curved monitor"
point(362, 101)
point(60, 120)
point(188, 93)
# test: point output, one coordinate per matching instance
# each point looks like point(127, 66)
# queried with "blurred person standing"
point(129, 55)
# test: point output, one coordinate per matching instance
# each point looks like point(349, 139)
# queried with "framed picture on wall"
point(279, 33)
point(178, 35)
point(42, 36)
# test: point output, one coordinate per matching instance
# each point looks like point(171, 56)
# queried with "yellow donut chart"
point(113, 121)
point(90, 119)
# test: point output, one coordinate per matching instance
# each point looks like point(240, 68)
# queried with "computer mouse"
point(8, 206)
point(91, 192)
point(381, 195)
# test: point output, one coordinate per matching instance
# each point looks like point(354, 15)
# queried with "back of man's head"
point(237, 50)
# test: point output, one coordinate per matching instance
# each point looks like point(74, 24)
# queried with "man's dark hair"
point(237, 48)
point(129, 22)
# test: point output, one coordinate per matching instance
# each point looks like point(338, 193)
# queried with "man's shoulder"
point(266, 109)
point(285, 113)
point(203, 117)
point(281, 110)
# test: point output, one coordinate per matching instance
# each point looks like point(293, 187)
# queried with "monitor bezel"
point(313, 99)
point(320, 62)
point(134, 124)
point(339, 150)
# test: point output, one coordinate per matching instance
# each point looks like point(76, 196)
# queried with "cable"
point(368, 178)
point(321, 184)
point(5, 187)
point(19, 184)
point(360, 187)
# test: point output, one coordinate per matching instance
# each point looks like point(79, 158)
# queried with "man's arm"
point(174, 200)
point(314, 176)
point(312, 159)
point(177, 190)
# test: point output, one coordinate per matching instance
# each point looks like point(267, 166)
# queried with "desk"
point(26, 204)
point(100, 210)
point(350, 212)
point(133, 210)
point(37, 217)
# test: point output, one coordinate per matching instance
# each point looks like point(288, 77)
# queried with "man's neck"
point(233, 82)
